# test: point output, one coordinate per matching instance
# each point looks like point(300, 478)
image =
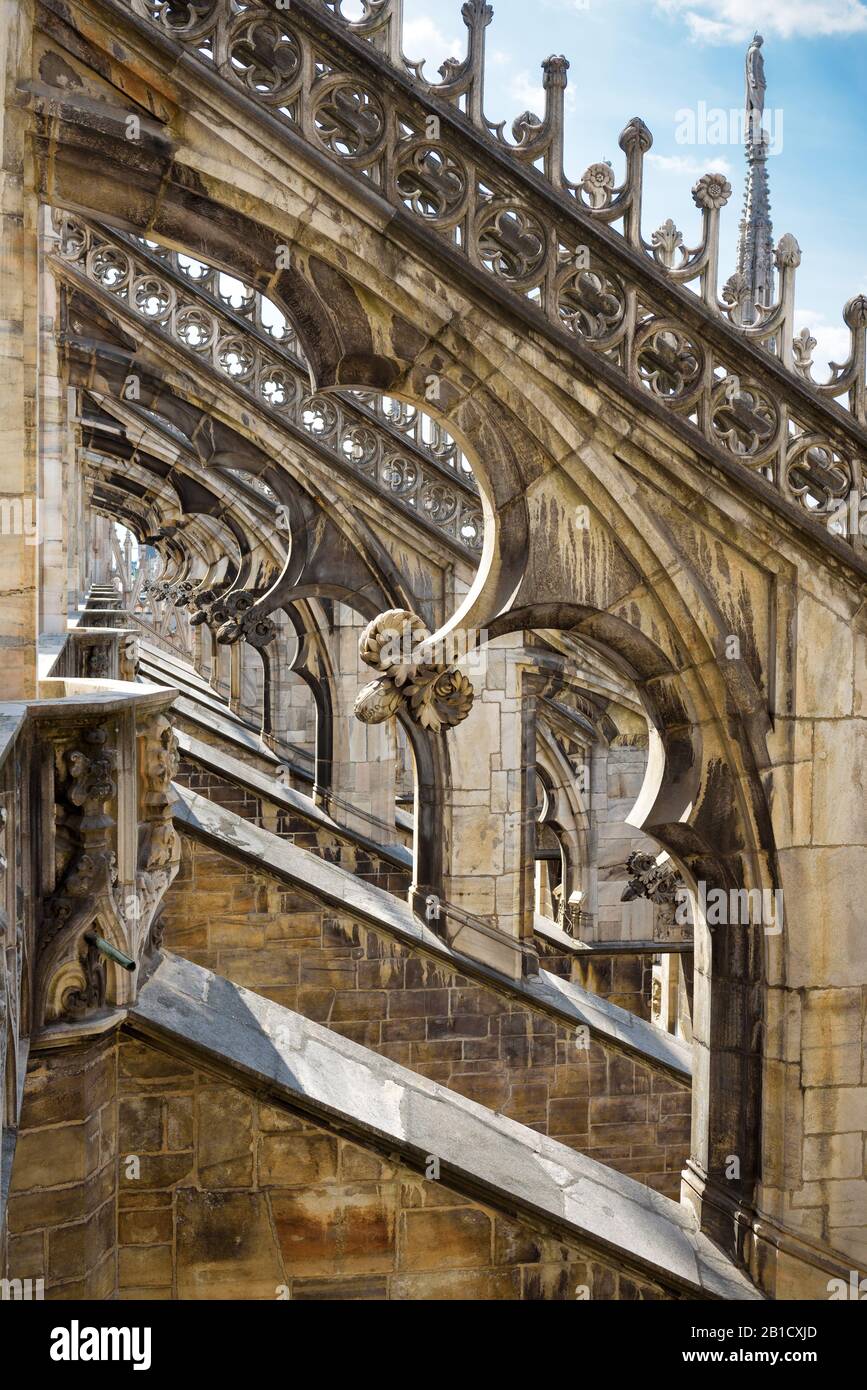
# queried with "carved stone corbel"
point(159, 844)
point(437, 696)
point(659, 883)
point(70, 981)
point(129, 657)
point(97, 661)
point(245, 623)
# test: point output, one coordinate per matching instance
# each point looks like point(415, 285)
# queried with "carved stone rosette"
point(435, 695)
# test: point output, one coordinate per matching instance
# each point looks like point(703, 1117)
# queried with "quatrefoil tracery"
point(592, 305)
point(668, 361)
point(512, 244)
point(433, 183)
point(203, 330)
point(744, 419)
point(264, 55)
point(349, 120)
point(818, 475)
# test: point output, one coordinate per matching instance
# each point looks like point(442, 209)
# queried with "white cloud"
point(528, 94)
point(423, 38)
point(732, 21)
point(686, 164)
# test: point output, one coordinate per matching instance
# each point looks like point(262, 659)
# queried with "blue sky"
point(658, 58)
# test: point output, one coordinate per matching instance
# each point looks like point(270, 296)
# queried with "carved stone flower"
point(440, 699)
point(665, 241)
point(525, 126)
point(597, 182)
point(396, 644)
point(389, 641)
point(241, 601)
point(260, 632)
point(228, 633)
point(734, 288)
point(378, 701)
point(712, 191)
point(450, 70)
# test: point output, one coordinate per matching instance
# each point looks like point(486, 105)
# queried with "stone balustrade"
point(87, 850)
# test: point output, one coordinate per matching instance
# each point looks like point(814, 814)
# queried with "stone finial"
point(635, 132)
point(554, 70)
point(788, 252)
point(665, 242)
point(477, 12)
point(803, 346)
point(855, 312)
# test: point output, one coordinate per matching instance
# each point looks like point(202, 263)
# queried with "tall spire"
point(756, 243)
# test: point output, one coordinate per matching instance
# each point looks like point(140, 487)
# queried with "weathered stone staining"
point(318, 986)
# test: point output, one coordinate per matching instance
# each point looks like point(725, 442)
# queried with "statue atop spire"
point(756, 84)
point(756, 243)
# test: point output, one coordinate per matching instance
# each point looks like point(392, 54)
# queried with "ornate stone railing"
point(507, 207)
point(17, 920)
point(98, 654)
point(108, 756)
point(161, 614)
point(403, 453)
point(87, 850)
point(271, 325)
point(240, 301)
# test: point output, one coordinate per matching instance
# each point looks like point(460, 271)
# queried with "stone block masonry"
point(61, 1217)
point(239, 1199)
point(334, 847)
point(424, 1014)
